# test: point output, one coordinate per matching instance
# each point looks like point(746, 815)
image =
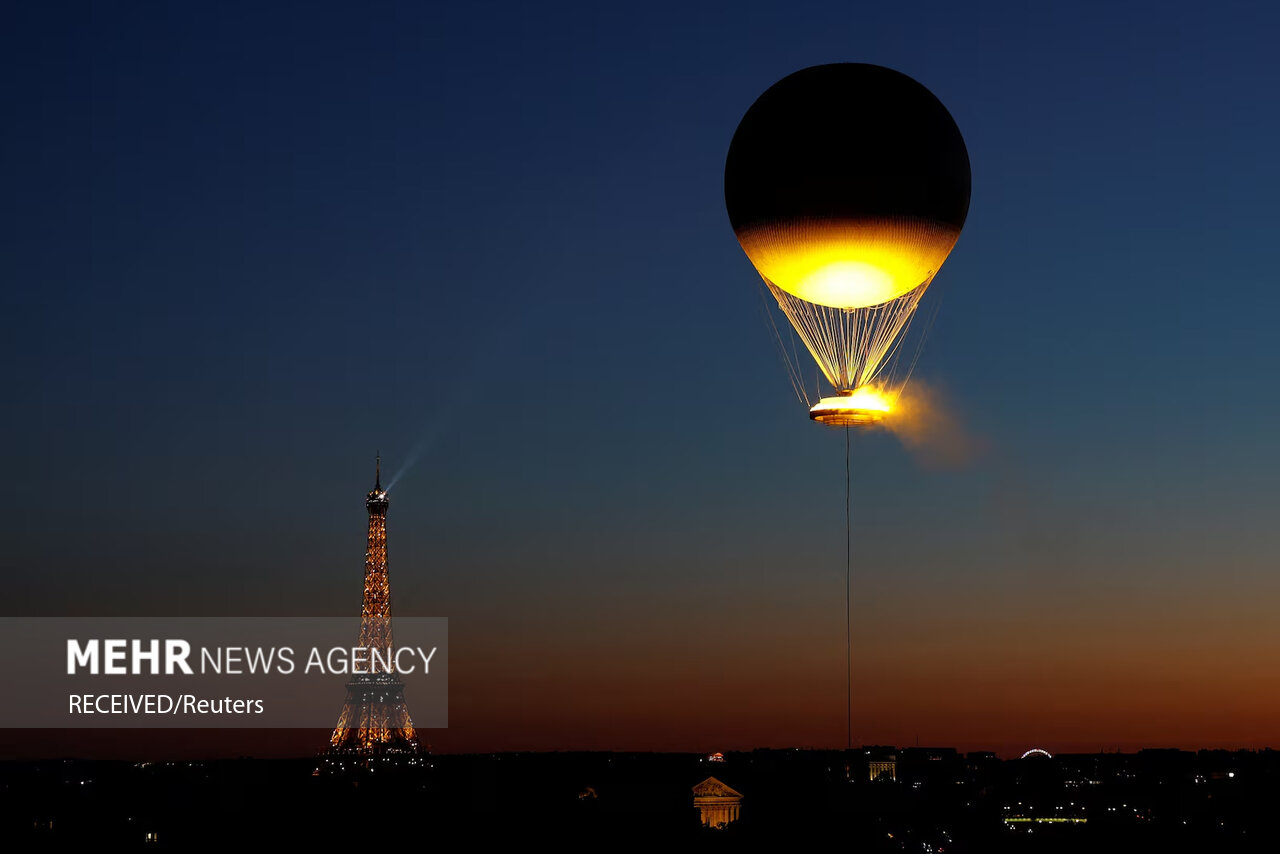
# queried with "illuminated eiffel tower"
point(374, 726)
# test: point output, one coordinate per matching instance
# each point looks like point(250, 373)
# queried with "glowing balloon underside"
point(848, 264)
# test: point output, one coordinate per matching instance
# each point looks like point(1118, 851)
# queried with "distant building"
point(882, 762)
point(717, 804)
point(929, 754)
point(919, 767)
point(882, 770)
point(716, 757)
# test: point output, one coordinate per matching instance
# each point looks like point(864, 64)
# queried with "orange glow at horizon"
point(951, 667)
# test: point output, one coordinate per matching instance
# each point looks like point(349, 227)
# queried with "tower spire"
point(377, 480)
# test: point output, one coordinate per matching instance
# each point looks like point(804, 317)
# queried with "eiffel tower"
point(374, 727)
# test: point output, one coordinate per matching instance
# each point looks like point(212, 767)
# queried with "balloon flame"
point(864, 405)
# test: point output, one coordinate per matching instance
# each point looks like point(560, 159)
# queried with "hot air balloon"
point(847, 186)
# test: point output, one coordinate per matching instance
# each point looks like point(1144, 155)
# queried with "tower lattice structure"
point(375, 722)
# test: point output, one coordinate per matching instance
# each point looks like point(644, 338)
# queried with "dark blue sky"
point(244, 248)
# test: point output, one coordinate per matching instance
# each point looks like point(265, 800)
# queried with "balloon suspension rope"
point(848, 625)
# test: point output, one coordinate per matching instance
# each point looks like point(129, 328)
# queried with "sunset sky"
point(243, 250)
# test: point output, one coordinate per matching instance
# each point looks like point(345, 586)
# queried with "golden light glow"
point(865, 405)
point(848, 264)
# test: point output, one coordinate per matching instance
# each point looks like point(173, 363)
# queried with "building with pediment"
point(717, 804)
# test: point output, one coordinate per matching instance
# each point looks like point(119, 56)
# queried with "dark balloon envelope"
point(847, 185)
